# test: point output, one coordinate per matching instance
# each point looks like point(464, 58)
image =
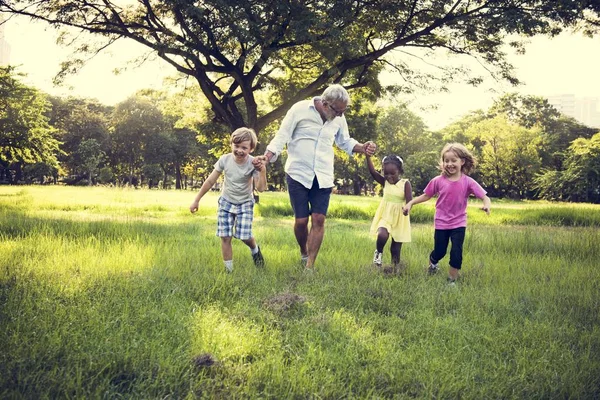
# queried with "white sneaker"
point(433, 268)
point(377, 258)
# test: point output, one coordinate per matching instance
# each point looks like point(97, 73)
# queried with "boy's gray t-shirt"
point(237, 187)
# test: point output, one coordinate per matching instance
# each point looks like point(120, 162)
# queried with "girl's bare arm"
point(374, 173)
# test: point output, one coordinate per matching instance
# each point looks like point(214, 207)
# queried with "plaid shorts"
point(238, 215)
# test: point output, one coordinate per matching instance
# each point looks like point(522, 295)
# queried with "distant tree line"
point(526, 149)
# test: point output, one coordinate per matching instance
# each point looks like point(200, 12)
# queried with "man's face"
point(334, 109)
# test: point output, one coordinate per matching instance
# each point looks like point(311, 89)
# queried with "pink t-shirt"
point(451, 205)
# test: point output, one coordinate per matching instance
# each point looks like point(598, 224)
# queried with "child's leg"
point(227, 252)
point(395, 249)
point(382, 238)
point(250, 243)
point(226, 248)
point(441, 238)
point(457, 236)
point(243, 230)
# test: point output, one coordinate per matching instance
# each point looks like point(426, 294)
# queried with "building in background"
point(4, 46)
point(583, 109)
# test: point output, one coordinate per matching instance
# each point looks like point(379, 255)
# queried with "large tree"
point(234, 48)
point(25, 134)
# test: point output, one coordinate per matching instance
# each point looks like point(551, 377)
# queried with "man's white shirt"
point(310, 144)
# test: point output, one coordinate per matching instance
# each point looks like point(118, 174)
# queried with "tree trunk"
point(177, 176)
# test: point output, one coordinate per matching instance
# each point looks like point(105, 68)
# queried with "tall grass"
point(111, 293)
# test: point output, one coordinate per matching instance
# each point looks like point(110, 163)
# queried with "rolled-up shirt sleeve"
point(283, 135)
point(343, 139)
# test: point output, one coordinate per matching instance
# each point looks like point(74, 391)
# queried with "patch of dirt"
point(394, 270)
point(284, 302)
point(205, 360)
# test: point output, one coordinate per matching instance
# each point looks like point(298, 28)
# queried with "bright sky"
point(567, 64)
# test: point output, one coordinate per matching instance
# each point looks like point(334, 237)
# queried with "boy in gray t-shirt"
point(236, 204)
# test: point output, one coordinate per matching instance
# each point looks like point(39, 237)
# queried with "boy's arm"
point(421, 199)
point(487, 204)
point(376, 175)
point(260, 181)
point(208, 183)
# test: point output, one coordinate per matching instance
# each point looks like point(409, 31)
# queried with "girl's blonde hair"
point(242, 134)
point(461, 152)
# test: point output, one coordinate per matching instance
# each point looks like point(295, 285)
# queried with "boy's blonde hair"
point(461, 152)
point(242, 134)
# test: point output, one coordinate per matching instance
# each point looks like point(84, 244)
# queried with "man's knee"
point(318, 220)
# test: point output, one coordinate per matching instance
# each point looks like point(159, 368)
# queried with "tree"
point(134, 121)
point(557, 130)
point(91, 154)
point(26, 137)
point(580, 180)
point(78, 120)
point(509, 157)
point(236, 48)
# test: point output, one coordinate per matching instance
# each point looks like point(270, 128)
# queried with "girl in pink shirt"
point(453, 188)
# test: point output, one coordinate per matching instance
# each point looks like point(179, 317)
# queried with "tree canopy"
point(235, 48)
point(27, 137)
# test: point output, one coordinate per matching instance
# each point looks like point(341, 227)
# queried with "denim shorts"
point(238, 216)
point(307, 201)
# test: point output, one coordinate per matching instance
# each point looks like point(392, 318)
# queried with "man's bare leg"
point(301, 232)
point(315, 238)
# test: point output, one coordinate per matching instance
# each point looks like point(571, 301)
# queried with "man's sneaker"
point(433, 268)
point(258, 258)
point(377, 258)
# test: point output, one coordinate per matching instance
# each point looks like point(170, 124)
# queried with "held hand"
point(406, 209)
point(259, 162)
point(369, 148)
point(486, 209)
point(194, 207)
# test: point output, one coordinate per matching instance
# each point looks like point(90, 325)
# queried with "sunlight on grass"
point(121, 293)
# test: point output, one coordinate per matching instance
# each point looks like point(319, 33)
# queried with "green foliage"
point(121, 294)
point(91, 154)
point(509, 156)
point(77, 120)
point(580, 179)
point(234, 49)
point(26, 138)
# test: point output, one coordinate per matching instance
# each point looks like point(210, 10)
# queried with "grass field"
point(113, 293)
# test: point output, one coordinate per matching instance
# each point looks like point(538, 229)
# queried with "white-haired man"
point(309, 129)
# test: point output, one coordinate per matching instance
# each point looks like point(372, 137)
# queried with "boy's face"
point(241, 150)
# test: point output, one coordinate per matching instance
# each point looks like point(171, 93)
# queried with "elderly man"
point(309, 129)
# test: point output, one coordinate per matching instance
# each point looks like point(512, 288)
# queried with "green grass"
point(112, 293)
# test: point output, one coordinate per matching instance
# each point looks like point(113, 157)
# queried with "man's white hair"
point(336, 93)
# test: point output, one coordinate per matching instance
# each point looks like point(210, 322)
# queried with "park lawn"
point(121, 293)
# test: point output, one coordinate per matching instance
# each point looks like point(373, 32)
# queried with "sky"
point(567, 64)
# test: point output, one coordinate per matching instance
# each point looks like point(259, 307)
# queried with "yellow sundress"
point(389, 213)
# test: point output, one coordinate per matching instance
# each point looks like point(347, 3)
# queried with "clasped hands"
point(369, 148)
point(259, 162)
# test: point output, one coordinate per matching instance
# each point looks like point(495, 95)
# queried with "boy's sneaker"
point(433, 268)
point(377, 258)
point(258, 258)
point(451, 282)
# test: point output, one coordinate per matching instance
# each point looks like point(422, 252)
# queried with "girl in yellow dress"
point(389, 218)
